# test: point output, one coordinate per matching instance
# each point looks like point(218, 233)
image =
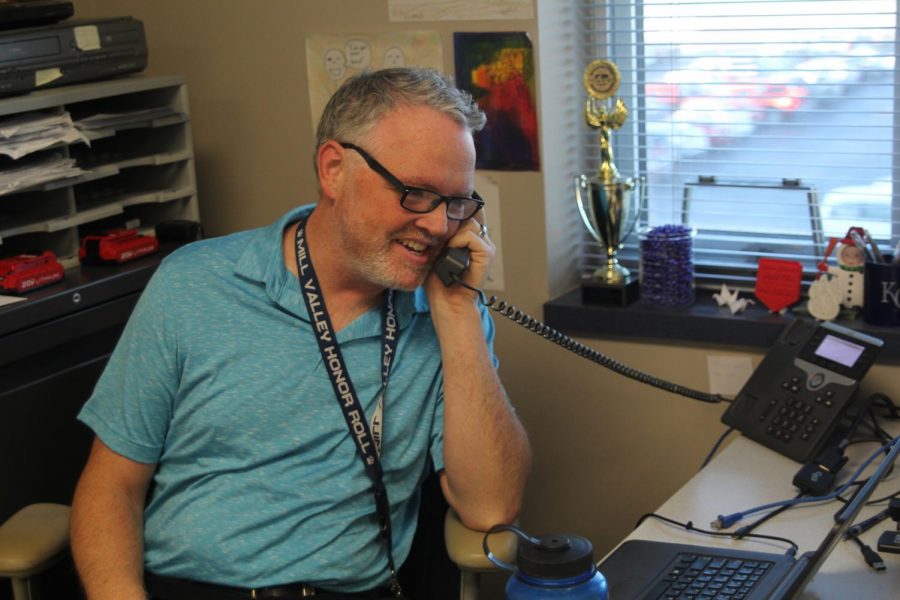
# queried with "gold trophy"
point(609, 203)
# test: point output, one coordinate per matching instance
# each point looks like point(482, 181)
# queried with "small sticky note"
point(45, 76)
point(489, 190)
point(87, 37)
point(728, 374)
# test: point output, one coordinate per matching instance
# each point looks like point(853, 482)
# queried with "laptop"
point(648, 570)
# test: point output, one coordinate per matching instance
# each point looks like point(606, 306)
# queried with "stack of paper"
point(36, 172)
point(30, 132)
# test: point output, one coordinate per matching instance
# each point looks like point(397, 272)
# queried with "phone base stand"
point(610, 294)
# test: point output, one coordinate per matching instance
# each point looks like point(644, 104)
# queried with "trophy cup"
point(609, 203)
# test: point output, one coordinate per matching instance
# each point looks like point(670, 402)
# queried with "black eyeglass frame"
point(405, 190)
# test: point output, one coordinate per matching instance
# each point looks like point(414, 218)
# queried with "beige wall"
point(607, 449)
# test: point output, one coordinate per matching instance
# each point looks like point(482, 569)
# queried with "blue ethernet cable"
point(726, 521)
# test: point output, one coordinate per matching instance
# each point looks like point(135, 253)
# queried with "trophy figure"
point(608, 203)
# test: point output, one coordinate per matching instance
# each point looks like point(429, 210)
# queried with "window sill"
point(705, 322)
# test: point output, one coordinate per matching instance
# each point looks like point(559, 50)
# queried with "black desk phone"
point(793, 402)
point(796, 397)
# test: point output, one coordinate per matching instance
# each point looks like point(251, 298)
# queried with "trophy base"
point(609, 294)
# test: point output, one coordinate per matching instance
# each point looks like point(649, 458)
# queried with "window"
point(767, 125)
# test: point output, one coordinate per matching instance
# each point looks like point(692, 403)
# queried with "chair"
point(31, 541)
point(464, 546)
point(36, 537)
point(446, 559)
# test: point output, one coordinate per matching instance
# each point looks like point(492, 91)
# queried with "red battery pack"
point(116, 247)
point(27, 272)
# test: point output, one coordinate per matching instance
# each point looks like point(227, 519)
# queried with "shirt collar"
point(262, 261)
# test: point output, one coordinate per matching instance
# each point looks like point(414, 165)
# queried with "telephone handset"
point(797, 396)
point(450, 265)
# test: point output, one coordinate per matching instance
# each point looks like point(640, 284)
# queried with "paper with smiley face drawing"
point(333, 58)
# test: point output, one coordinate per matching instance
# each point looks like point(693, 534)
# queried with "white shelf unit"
point(136, 172)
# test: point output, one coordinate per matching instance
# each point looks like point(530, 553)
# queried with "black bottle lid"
point(558, 556)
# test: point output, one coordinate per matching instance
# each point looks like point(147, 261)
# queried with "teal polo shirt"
point(218, 379)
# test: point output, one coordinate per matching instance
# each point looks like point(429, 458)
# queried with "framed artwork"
point(497, 68)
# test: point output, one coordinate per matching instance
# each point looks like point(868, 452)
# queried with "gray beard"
point(376, 268)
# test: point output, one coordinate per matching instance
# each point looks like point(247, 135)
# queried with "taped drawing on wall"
point(331, 59)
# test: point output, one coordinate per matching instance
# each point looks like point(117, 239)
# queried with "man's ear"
point(332, 167)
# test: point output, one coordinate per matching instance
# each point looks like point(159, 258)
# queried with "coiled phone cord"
point(557, 337)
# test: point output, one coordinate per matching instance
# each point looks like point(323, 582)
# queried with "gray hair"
point(355, 109)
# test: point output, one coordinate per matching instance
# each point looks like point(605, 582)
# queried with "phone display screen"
point(839, 350)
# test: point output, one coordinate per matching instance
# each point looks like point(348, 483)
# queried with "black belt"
point(172, 588)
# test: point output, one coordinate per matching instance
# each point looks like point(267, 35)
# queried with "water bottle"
point(551, 567)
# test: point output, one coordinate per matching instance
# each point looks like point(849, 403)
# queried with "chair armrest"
point(464, 545)
point(33, 539)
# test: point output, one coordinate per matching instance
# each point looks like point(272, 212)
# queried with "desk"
point(747, 474)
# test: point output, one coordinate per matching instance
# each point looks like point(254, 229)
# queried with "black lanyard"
point(368, 445)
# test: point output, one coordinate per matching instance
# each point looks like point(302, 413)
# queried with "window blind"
point(768, 126)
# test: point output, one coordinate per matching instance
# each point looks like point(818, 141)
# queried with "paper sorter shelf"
point(154, 160)
point(85, 216)
point(156, 197)
point(107, 132)
point(92, 175)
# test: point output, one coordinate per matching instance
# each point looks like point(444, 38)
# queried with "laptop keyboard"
point(709, 577)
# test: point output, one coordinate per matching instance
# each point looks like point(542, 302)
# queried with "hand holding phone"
point(452, 262)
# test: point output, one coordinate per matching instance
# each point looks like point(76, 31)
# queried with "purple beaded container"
point(667, 265)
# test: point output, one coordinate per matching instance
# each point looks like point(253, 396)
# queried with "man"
point(242, 402)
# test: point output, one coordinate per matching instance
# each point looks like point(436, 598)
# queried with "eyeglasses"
point(420, 200)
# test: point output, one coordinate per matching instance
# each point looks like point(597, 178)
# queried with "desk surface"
point(747, 474)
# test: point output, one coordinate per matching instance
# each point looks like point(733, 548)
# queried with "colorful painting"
point(498, 70)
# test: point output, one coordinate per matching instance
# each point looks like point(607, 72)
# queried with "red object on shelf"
point(27, 272)
point(778, 282)
point(119, 246)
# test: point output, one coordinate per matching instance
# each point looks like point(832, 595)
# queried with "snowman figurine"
point(851, 260)
point(824, 298)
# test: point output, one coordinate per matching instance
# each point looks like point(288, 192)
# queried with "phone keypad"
point(793, 417)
